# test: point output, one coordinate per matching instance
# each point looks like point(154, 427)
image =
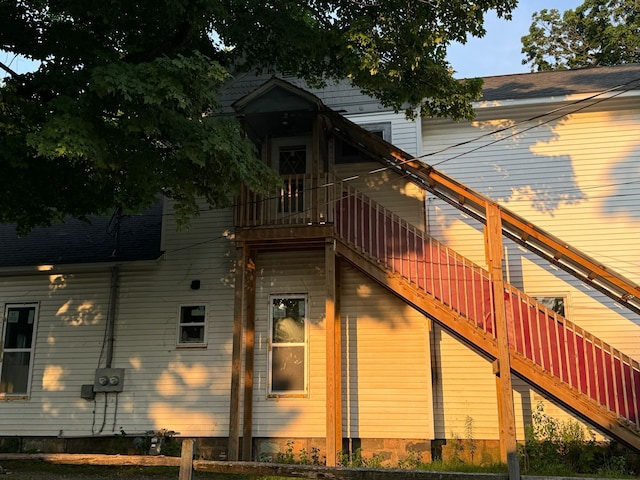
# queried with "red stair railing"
point(550, 341)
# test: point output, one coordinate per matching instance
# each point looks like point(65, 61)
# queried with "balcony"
point(302, 208)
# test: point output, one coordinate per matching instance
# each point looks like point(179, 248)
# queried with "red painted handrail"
point(561, 348)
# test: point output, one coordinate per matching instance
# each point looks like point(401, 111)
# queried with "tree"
point(122, 107)
point(596, 33)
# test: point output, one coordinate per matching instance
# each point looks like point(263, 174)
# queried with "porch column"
point(249, 348)
point(333, 354)
point(502, 366)
point(236, 359)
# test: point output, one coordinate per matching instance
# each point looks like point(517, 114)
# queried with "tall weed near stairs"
point(564, 447)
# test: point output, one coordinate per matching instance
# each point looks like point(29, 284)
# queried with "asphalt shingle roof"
point(79, 242)
point(345, 98)
point(560, 82)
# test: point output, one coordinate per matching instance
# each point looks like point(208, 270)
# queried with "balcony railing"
point(301, 200)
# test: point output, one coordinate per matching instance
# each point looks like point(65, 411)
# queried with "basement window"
point(192, 325)
point(16, 362)
point(288, 345)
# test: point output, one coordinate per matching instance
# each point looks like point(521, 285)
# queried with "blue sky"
point(498, 52)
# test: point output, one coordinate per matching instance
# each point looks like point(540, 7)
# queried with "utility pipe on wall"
point(111, 314)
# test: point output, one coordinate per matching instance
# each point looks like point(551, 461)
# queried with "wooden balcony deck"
point(299, 212)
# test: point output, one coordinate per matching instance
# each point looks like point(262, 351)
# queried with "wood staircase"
point(581, 372)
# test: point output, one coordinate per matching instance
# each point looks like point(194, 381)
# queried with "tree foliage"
point(122, 107)
point(596, 33)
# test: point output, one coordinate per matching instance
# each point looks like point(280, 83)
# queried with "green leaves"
point(596, 33)
point(123, 105)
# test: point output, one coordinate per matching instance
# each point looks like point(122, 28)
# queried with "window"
point(288, 352)
point(192, 325)
point(19, 327)
point(555, 304)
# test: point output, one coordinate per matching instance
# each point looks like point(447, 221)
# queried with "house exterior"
point(357, 307)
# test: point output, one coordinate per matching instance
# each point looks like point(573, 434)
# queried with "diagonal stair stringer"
point(577, 402)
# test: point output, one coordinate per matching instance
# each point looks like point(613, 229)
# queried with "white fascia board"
point(554, 99)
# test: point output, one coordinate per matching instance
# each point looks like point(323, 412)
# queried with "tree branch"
point(8, 70)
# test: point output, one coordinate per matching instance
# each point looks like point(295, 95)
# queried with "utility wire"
point(528, 128)
point(535, 117)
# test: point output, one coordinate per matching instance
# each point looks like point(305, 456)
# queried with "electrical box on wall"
point(109, 380)
point(87, 392)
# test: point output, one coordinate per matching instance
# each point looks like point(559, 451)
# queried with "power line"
point(529, 128)
point(530, 119)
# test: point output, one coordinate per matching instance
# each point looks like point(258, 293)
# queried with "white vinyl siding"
point(185, 390)
point(301, 274)
point(386, 363)
point(576, 177)
point(180, 389)
point(71, 314)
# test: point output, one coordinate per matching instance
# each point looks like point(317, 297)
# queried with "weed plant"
point(565, 448)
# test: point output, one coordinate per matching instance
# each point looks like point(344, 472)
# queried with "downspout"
point(114, 226)
point(111, 314)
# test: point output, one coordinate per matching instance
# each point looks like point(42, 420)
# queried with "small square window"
point(555, 304)
point(192, 325)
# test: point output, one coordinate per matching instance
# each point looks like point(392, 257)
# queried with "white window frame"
point(305, 344)
point(31, 349)
point(383, 127)
point(204, 324)
point(564, 295)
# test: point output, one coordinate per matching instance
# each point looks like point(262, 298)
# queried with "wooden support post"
point(249, 348)
point(333, 361)
point(506, 415)
point(315, 169)
point(186, 459)
point(236, 358)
